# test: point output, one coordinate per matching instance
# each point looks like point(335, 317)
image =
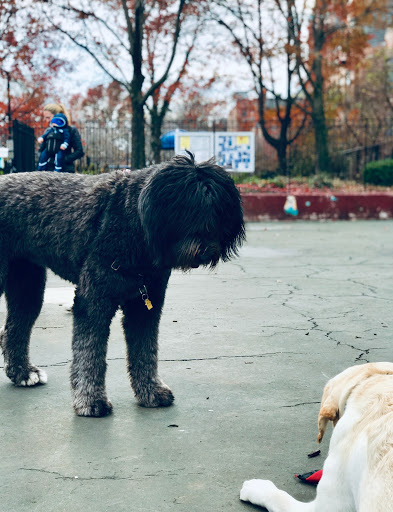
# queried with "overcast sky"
point(87, 73)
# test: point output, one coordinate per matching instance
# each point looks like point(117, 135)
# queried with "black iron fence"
point(352, 145)
point(20, 142)
point(24, 147)
point(107, 146)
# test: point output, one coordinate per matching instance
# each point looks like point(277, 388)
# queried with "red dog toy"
point(310, 478)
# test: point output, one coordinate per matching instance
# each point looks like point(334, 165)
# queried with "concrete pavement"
point(246, 350)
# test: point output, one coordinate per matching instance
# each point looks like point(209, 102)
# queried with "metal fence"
point(24, 147)
point(352, 145)
point(106, 146)
point(20, 141)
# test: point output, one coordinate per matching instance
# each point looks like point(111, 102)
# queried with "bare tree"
point(25, 71)
point(244, 21)
point(113, 34)
point(160, 100)
point(330, 23)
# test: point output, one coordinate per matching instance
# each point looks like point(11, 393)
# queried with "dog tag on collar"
point(148, 304)
point(145, 297)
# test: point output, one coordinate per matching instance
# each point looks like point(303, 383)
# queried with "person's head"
point(51, 109)
point(59, 120)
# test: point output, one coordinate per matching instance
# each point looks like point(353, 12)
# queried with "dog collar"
point(141, 285)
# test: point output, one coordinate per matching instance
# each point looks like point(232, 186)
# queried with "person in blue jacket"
point(74, 151)
point(57, 139)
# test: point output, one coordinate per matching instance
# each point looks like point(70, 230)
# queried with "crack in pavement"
point(363, 351)
point(59, 476)
point(49, 327)
point(371, 289)
point(300, 403)
point(213, 358)
point(280, 327)
point(316, 272)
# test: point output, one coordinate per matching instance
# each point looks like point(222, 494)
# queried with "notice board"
point(235, 151)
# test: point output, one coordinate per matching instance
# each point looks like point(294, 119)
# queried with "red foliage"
point(22, 37)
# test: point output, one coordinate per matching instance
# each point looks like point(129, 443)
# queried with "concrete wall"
point(323, 206)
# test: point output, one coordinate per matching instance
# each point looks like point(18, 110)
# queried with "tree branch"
point(91, 53)
point(130, 31)
point(157, 84)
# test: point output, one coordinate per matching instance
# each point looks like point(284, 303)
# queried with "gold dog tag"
point(148, 304)
point(145, 297)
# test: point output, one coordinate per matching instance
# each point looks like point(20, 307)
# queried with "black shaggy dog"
point(117, 237)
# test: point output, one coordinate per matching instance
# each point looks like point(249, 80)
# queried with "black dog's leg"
point(141, 331)
point(24, 291)
point(92, 317)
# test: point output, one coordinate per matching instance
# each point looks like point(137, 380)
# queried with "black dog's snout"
point(209, 254)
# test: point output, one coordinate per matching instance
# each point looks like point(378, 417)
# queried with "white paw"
point(257, 491)
point(35, 377)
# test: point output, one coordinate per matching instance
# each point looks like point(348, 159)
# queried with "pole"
point(9, 106)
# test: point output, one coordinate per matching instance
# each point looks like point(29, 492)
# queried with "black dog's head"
point(191, 214)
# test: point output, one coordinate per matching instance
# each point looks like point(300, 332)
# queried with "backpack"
point(53, 142)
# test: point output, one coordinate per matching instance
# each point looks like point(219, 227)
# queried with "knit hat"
point(59, 120)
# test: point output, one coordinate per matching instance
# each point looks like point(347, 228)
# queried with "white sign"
point(3, 152)
point(199, 143)
point(235, 151)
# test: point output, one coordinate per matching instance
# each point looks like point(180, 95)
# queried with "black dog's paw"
point(26, 377)
point(161, 396)
point(95, 409)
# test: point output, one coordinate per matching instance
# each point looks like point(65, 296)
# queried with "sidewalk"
point(246, 350)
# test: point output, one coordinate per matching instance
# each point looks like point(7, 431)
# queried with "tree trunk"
point(322, 163)
point(155, 133)
point(280, 143)
point(319, 120)
point(282, 158)
point(157, 116)
point(138, 158)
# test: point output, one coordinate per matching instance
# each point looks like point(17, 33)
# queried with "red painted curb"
point(259, 206)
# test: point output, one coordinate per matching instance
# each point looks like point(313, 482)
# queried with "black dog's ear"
point(148, 213)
